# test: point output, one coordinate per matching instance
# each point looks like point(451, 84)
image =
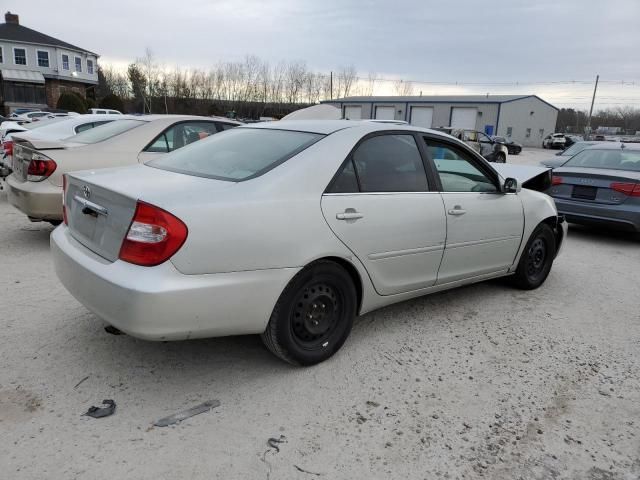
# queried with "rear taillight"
point(555, 180)
point(40, 168)
point(630, 189)
point(153, 237)
point(64, 204)
point(7, 146)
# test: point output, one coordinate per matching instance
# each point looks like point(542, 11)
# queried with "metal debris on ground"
point(81, 381)
point(190, 412)
point(273, 442)
point(99, 412)
point(306, 471)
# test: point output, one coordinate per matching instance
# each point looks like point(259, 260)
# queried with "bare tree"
point(403, 88)
point(346, 77)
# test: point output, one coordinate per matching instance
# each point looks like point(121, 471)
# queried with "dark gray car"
point(600, 186)
point(561, 157)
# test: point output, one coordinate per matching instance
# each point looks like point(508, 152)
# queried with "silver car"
point(290, 229)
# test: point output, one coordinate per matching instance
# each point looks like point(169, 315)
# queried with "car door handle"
point(349, 214)
point(457, 210)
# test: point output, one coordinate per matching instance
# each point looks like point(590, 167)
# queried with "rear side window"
point(83, 127)
point(181, 134)
point(237, 154)
point(106, 131)
point(227, 126)
point(385, 163)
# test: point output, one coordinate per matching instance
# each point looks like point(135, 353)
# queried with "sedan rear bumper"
point(160, 303)
point(623, 217)
point(38, 200)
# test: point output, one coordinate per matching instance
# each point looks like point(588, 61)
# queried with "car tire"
point(55, 223)
point(500, 158)
point(537, 258)
point(313, 316)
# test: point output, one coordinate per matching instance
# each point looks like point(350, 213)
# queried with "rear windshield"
point(576, 147)
point(106, 131)
point(618, 159)
point(237, 154)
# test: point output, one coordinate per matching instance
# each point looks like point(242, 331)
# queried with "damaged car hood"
point(531, 177)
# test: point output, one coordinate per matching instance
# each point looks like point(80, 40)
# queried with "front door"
point(379, 206)
point(484, 225)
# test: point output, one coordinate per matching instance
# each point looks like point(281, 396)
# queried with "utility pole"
point(331, 84)
point(588, 127)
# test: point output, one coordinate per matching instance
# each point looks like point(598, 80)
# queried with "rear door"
point(379, 205)
point(177, 136)
point(484, 226)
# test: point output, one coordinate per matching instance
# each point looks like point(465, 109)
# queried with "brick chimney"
point(11, 18)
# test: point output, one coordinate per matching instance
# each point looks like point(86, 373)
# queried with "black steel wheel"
point(313, 316)
point(537, 258)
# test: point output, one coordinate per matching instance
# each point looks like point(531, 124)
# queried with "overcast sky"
point(432, 41)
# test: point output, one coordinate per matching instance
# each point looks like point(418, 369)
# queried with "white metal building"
point(527, 119)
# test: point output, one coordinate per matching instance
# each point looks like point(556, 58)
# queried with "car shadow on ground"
point(602, 235)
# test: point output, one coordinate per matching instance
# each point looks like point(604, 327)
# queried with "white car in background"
point(35, 186)
point(290, 229)
point(52, 129)
point(554, 140)
point(104, 111)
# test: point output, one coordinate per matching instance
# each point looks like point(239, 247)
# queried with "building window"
point(541, 132)
point(90, 67)
point(43, 59)
point(528, 134)
point(509, 131)
point(1, 55)
point(24, 93)
point(78, 64)
point(19, 56)
point(65, 62)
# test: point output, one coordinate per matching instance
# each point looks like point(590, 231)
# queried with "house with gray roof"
point(36, 68)
point(526, 119)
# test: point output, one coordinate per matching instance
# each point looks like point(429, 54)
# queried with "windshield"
point(618, 159)
point(237, 154)
point(576, 148)
point(106, 131)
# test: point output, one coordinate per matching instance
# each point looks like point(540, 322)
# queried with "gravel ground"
point(480, 382)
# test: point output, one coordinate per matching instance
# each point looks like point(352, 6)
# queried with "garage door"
point(353, 112)
point(421, 116)
point(386, 113)
point(464, 117)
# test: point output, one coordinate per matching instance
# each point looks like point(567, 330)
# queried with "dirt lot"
point(480, 382)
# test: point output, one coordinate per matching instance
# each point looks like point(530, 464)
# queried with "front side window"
point(43, 59)
point(90, 67)
point(457, 171)
point(78, 64)
point(19, 56)
point(389, 163)
point(65, 62)
point(181, 134)
point(238, 154)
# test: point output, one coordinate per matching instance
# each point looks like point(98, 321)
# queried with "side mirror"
point(510, 185)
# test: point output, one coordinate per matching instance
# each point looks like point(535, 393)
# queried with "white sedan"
point(39, 162)
point(290, 229)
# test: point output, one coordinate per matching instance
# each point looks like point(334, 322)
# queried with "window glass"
point(83, 127)
point(19, 56)
point(614, 159)
point(576, 148)
point(227, 126)
point(237, 154)
point(43, 59)
point(78, 61)
point(483, 138)
point(159, 145)
point(106, 131)
point(90, 66)
point(65, 62)
point(509, 131)
point(1, 55)
point(457, 171)
point(346, 181)
point(528, 133)
point(390, 163)
point(181, 134)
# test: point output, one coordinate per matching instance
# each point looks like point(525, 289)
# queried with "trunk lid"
point(101, 204)
point(592, 185)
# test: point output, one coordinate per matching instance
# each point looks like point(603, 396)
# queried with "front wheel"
point(500, 158)
point(313, 316)
point(537, 259)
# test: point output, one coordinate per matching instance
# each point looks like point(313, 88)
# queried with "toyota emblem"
point(86, 192)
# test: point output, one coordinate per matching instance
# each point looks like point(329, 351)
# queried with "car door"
point(484, 225)
point(177, 136)
point(379, 205)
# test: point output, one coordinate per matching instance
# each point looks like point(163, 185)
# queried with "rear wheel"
point(537, 258)
point(500, 158)
point(313, 316)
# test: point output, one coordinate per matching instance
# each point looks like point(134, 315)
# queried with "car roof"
point(326, 127)
point(157, 116)
point(614, 146)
